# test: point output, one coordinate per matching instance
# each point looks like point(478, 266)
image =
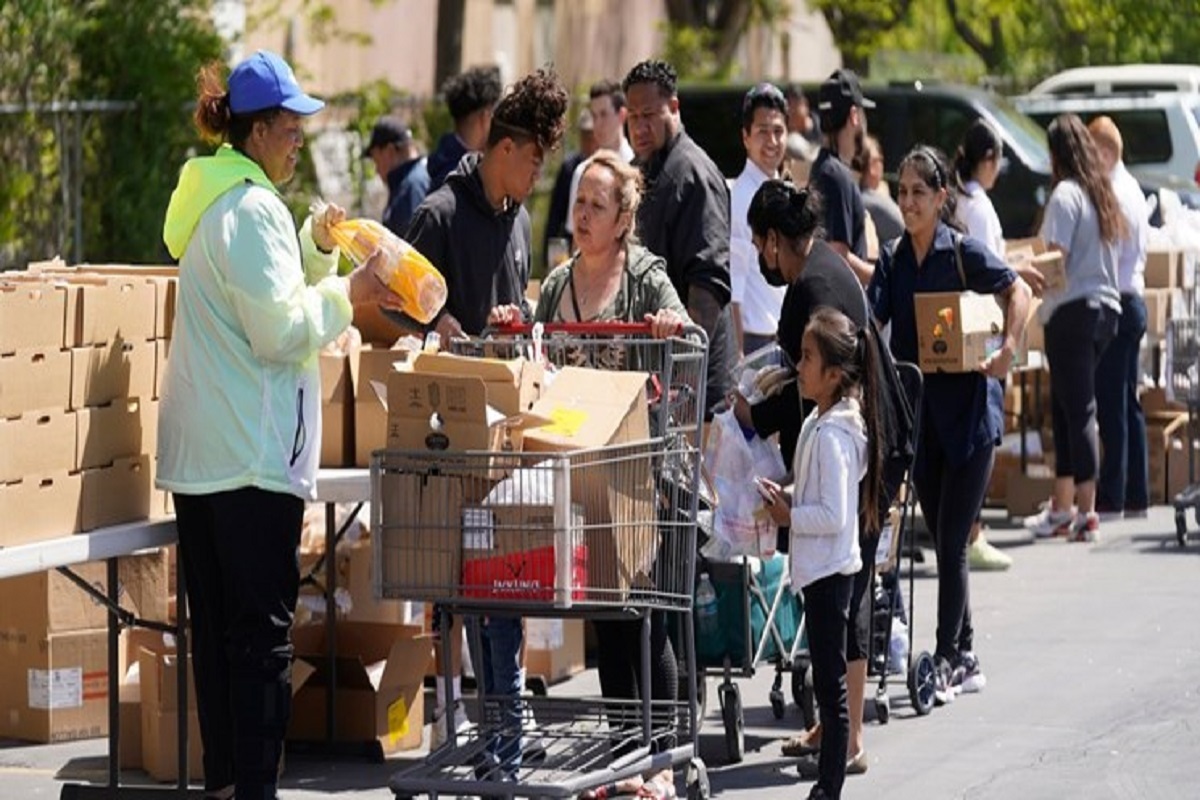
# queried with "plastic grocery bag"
point(418, 284)
point(731, 462)
point(763, 373)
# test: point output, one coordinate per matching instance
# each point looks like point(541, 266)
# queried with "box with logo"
point(524, 552)
point(956, 331)
point(53, 686)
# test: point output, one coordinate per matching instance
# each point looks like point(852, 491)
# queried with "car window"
point(1146, 134)
point(1026, 133)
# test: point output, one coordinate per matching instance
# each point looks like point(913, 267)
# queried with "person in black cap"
point(844, 126)
point(400, 165)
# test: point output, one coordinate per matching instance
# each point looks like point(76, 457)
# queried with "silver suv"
point(1161, 130)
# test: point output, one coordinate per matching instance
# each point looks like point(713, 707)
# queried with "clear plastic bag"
point(763, 373)
point(410, 276)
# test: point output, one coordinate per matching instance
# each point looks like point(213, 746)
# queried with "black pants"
point(619, 662)
point(1076, 337)
point(826, 615)
point(951, 496)
point(240, 563)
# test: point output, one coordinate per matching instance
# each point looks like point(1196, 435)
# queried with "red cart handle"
point(578, 328)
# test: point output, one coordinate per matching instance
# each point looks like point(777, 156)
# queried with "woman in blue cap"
point(239, 424)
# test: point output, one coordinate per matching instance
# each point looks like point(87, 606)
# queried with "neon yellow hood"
point(201, 181)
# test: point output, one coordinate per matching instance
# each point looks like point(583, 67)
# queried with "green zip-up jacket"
point(240, 402)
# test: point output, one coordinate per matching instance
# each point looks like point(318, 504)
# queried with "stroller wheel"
point(1181, 526)
point(731, 715)
point(883, 708)
point(777, 703)
point(920, 683)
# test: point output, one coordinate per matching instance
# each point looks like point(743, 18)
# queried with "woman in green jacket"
point(239, 422)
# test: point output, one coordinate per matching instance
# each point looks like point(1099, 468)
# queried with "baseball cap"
point(264, 80)
point(839, 93)
point(386, 131)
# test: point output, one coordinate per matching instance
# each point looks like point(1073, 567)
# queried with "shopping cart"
point(602, 533)
point(1183, 386)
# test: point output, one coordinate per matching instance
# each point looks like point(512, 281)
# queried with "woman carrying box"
point(961, 414)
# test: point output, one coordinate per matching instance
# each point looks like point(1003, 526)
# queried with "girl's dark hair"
point(930, 166)
point(844, 345)
point(534, 110)
point(796, 214)
point(1073, 155)
point(981, 143)
point(213, 117)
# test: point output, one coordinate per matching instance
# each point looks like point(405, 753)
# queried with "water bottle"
point(708, 627)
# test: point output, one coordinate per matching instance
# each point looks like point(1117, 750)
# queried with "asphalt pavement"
point(1092, 658)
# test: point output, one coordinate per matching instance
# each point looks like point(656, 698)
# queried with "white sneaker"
point(1050, 522)
point(462, 724)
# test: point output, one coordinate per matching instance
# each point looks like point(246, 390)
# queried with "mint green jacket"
point(240, 403)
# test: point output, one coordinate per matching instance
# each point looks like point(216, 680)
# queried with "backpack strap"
point(958, 259)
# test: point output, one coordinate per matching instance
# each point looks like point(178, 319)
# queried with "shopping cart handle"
point(578, 328)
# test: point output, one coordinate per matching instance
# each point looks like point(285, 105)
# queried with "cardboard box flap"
point(512, 385)
point(592, 408)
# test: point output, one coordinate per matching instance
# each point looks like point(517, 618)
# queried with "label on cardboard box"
point(56, 688)
point(956, 330)
point(397, 721)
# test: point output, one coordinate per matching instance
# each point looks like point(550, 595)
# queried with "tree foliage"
point(860, 27)
point(702, 35)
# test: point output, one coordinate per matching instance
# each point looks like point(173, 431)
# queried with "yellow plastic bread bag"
point(410, 276)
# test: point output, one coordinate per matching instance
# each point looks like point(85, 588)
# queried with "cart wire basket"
point(1183, 386)
point(605, 532)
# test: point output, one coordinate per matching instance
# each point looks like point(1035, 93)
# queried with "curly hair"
point(466, 93)
point(659, 73)
point(534, 110)
point(1073, 156)
point(796, 214)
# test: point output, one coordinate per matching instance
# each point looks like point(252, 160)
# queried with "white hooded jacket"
point(830, 462)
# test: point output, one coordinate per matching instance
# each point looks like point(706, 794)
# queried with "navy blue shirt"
point(845, 214)
point(966, 410)
point(407, 186)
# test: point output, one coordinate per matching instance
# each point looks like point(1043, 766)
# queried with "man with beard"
point(684, 216)
point(844, 124)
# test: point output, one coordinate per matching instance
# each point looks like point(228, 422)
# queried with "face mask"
point(773, 277)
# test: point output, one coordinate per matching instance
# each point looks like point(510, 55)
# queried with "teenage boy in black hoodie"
point(476, 231)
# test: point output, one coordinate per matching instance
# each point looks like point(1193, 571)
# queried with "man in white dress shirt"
point(1123, 486)
point(606, 101)
point(756, 303)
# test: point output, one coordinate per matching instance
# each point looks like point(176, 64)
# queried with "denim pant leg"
point(500, 678)
point(1119, 414)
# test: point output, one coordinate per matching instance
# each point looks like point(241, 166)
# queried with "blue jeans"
point(498, 672)
point(1124, 475)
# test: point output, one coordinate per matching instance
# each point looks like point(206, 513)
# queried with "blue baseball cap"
point(264, 80)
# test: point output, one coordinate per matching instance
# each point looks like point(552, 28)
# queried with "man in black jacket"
point(684, 216)
point(470, 97)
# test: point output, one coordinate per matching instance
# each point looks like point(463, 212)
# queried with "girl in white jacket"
point(836, 470)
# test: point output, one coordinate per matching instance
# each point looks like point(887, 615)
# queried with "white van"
point(1125, 78)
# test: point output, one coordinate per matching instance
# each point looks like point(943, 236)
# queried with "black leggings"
point(239, 560)
point(951, 496)
point(826, 616)
point(1076, 336)
point(619, 662)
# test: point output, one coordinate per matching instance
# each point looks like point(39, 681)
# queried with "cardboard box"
point(1164, 436)
point(420, 542)
point(367, 368)
point(53, 687)
point(1003, 468)
point(114, 494)
point(131, 725)
point(36, 443)
point(31, 316)
point(512, 386)
point(1049, 262)
point(103, 309)
point(380, 684)
point(31, 380)
point(524, 553)
point(1178, 475)
point(1158, 306)
point(594, 409)
point(123, 428)
point(162, 278)
point(107, 372)
point(1164, 269)
point(447, 413)
point(38, 508)
point(158, 668)
point(957, 330)
point(554, 648)
point(48, 602)
point(337, 412)
point(1025, 491)
point(162, 350)
point(354, 577)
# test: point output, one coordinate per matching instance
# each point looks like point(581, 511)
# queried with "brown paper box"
point(39, 508)
point(108, 372)
point(53, 687)
point(337, 412)
point(158, 672)
point(380, 691)
point(421, 536)
point(162, 350)
point(1163, 269)
point(31, 380)
point(31, 316)
point(122, 429)
point(369, 366)
point(36, 443)
point(512, 386)
point(116, 493)
point(956, 330)
point(556, 654)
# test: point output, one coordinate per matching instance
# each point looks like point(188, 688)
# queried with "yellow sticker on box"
point(397, 721)
point(565, 421)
